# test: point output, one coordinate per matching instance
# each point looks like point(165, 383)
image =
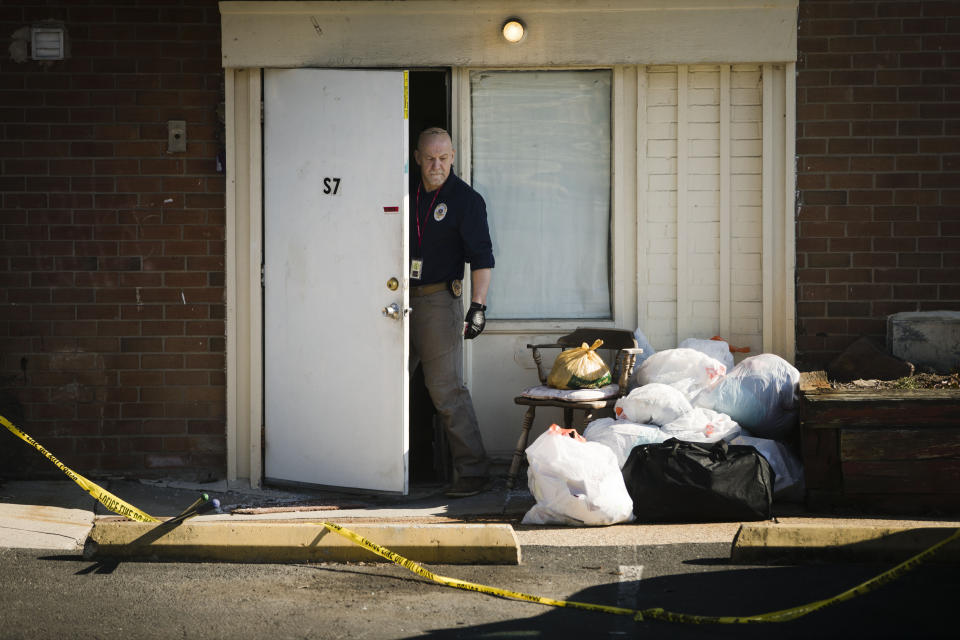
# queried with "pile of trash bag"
point(693, 394)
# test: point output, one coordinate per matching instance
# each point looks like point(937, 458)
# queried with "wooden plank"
point(643, 180)
point(821, 459)
point(684, 241)
point(813, 380)
point(915, 476)
point(255, 252)
point(894, 503)
point(934, 408)
point(788, 321)
point(899, 444)
point(726, 240)
point(231, 266)
point(767, 200)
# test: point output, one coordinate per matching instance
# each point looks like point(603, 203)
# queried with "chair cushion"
point(542, 392)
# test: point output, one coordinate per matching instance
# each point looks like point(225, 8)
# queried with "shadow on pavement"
point(920, 604)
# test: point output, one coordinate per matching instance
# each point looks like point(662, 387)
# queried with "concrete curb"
point(282, 542)
point(771, 543)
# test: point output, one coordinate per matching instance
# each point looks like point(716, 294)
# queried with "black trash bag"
point(676, 481)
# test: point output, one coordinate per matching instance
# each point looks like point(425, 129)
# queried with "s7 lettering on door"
point(331, 186)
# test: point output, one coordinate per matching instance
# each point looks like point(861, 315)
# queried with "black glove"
point(475, 321)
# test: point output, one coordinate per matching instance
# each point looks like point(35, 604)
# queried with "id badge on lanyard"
point(416, 264)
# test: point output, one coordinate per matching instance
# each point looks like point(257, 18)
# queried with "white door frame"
point(637, 32)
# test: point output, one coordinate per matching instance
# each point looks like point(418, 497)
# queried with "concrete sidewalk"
point(60, 515)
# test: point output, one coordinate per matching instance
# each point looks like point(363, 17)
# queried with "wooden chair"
point(618, 341)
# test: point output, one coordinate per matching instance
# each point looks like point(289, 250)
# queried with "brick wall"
point(112, 249)
point(878, 140)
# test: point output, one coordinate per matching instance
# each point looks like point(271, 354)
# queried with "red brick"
point(162, 361)
point(205, 264)
point(916, 228)
point(946, 276)
point(139, 148)
point(874, 259)
point(186, 378)
point(828, 260)
point(164, 263)
point(58, 312)
point(186, 311)
point(209, 328)
point(826, 164)
point(118, 328)
point(840, 309)
point(914, 292)
point(185, 248)
point(836, 276)
point(204, 361)
point(915, 196)
point(850, 181)
point(896, 275)
point(141, 312)
point(870, 291)
point(824, 197)
point(115, 232)
point(97, 312)
point(184, 345)
point(873, 128)
point(128, 263)
point(163, 328)
point(876, 196)
point(92, 184)
point(139, 279)
point(116, 295)
point(142, 410)
point(872, 163)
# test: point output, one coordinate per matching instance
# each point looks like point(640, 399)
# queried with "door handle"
point(393, 311)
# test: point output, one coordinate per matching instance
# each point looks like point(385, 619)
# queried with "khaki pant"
point(436, 342)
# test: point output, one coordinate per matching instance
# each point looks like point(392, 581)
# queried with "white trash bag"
point(644, 344)
point(621, 436)
point(702, 425)
point(575, 482)
point(687, 370)
point(760, 393)
point(653, 403)
point(716, 349)
point(788, 483)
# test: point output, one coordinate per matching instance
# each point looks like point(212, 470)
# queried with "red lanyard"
point(417, 215)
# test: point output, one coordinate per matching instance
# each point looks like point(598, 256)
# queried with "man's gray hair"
point(432, 131)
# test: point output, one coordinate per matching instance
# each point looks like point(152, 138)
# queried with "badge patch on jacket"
point(440, 212)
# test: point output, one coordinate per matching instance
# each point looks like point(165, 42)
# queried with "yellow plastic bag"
point(579, 368)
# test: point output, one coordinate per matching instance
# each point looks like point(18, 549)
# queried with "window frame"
point(622, 269)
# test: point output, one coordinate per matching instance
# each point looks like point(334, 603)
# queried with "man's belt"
point(427, 289)
point(455, 287)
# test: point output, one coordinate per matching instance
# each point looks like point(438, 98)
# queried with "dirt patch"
point(918, 381)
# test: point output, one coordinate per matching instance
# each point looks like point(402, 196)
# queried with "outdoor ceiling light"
point(513, 30)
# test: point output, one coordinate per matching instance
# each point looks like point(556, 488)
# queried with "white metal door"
point(335, 201)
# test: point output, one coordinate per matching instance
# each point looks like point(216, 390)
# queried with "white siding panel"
point(704, 201)
point(746, 150)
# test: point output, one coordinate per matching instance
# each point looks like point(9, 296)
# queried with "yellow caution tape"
point(652, 613)
point(115, 504)
point(107, 499)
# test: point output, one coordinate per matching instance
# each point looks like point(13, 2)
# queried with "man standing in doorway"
point(448, 228)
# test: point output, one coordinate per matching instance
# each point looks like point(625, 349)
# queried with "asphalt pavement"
point(52, 594)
